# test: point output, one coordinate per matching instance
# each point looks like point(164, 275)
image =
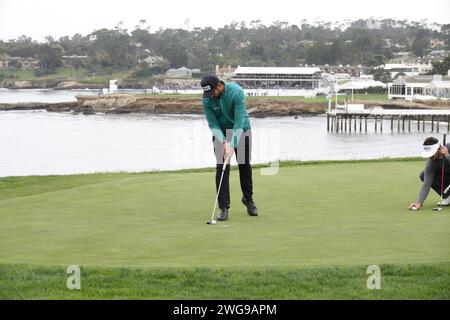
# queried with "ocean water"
point(41, 143)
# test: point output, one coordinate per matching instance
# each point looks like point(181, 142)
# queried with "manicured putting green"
point(324, 214)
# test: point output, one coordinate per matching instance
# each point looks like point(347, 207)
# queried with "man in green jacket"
point(226, 113)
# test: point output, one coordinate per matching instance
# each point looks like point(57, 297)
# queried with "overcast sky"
point(39, 18)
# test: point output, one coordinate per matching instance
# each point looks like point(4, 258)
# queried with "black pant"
point(436, 185)
point(243, 157)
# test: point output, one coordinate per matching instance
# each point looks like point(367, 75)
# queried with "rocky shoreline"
point(126, 103)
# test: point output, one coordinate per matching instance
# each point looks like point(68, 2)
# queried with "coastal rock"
point(88, 110)
point(108, 103)
point(21, 84)
point(29, 84)
point(70, 84)
point(61, 106)
point(67, 85)
point(23, 106)
point(161, 104)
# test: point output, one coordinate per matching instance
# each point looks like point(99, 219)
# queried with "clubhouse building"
point(420, 88)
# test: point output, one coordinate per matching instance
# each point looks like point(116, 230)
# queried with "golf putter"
point(439, 208)
point(447, 189)
point(213, 221)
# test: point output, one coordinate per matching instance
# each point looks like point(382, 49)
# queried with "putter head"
point(211, 222)
point(437, 209)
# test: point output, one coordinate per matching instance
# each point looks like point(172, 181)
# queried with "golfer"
point(226, 113)
point(431, 176)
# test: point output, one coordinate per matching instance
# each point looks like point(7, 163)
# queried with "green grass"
point(323, 99)
point(345, 214)
point(18, 74)
point(169, 95)
point(70, 73)
point(418, 281)
point(252, 99)
point(64, 73)
point(104, 78)
point(60, 73)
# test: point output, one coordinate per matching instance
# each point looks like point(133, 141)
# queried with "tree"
point(445, 30)
point(420, 43)
point(279, 44)
point(256, 24)
point(337, 52)
point(142, 25)
point(50, 40)
point(143, 37)
point(50, 57)
point(24, 40)
point(380, 74)
point(419, 46)
point(441, 68)
point(113, 49)
point(376, 60)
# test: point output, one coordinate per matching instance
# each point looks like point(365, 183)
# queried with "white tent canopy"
point(355, 85)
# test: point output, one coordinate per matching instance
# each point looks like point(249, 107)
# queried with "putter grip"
point(444, 140)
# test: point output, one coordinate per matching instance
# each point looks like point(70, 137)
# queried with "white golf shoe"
point(445, 202)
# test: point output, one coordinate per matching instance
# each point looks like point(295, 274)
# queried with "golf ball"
point(213, 221)
point(413, 208)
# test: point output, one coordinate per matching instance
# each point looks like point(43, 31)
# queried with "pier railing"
point(400, 120)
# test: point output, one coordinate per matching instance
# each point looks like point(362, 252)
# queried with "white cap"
point(429, 150)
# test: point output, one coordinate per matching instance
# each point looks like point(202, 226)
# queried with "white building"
point(420, 88)
point(182, 72)
point(152, 61)
point(361, 84)
point(224, 73)
point(424, 67)
point(342, 76)
point(397, 70)
point(18, 62)
point(300, 78)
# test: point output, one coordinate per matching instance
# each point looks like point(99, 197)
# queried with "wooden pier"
point(399, 120)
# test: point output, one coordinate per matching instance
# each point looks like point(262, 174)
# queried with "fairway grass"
point(320, 226)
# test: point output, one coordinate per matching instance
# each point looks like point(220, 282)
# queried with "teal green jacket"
point(227, 112)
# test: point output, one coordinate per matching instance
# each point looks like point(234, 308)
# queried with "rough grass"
point(417, 281)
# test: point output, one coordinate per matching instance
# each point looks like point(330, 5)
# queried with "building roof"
point(424, 79)
point(424, 82)
point(362, 84)
point(389, 66)
point(433, 84)
point(182, 69)
point(277, 70)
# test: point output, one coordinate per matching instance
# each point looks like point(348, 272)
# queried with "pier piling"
point(346, 121)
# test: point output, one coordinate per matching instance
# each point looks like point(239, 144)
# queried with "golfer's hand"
point(227, 150)
point(417, 205)
point(444, 151)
